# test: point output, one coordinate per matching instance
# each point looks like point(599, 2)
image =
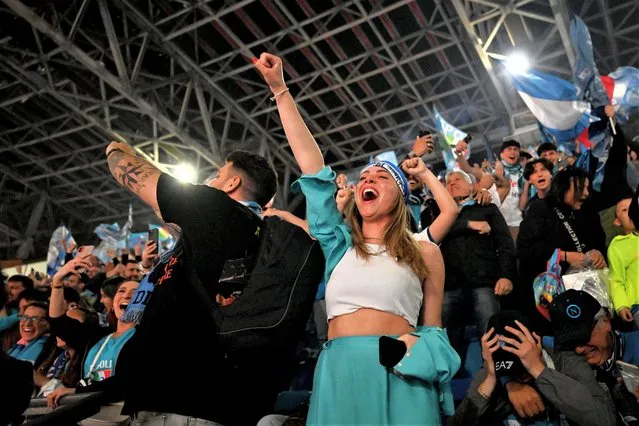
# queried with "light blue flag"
point(56, 252)
point(113, 235)
point(625, 97)
point(451, 135)
point(586, 77)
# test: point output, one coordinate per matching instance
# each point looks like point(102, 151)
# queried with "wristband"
point(57, 286)
point(278, 93)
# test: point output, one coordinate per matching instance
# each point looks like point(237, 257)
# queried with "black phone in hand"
point(391, 351)
point(154, 236)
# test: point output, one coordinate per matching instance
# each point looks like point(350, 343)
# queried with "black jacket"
point(541, 232)
point(473, 260)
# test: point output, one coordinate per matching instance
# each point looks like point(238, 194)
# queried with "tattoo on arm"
point(131, 172)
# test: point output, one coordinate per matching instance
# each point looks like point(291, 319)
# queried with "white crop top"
point(378, 283)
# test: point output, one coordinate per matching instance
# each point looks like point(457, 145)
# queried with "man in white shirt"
point(513, 173)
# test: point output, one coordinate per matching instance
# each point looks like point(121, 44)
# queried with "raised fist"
point(270, 67)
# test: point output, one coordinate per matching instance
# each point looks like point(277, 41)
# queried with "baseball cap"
point(509, 143)
point(506, 363)
point(572, 314)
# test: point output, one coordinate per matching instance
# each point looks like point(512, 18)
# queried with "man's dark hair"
point(525, 154)
point(40, 305)
point(71, 295)
point(130, 260)
point(32, 296)
point(27, 282)
point(530, 166)
point(261, 177)
point(546, 146)
point(111, 286)
point(561, 183)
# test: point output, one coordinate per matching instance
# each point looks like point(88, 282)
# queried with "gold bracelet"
point(278, 93)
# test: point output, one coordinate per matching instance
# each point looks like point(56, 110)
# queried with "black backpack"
point(272, 311)
point(261, 330)
point(279, 283)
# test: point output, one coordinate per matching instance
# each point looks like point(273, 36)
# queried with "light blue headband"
point(395, 172)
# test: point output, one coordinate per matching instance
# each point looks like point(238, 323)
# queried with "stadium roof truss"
point(174, 78)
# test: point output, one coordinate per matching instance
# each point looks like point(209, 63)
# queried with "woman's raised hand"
point(270, 67)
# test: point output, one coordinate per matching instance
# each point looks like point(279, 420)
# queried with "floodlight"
point(185, 173)
point(517, 63)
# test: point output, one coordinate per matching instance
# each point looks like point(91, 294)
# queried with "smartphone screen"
point(125, 258)
point(154, 236)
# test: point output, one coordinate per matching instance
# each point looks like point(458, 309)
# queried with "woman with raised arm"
point(377, 282)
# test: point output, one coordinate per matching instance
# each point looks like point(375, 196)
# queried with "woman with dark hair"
point(62, 365)
point(102, 348)
point(562, 220)
point(107, 293)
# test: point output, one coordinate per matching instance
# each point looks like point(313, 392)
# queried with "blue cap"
point(395, 172)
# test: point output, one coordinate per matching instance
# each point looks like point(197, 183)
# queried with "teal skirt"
point(351, 387)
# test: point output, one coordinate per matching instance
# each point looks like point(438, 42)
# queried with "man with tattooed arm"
point(174, 354)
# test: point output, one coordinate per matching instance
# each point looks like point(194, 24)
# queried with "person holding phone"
point(377, 283)
point(101, 357)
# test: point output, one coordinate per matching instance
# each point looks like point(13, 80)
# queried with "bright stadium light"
point(517, 63)
point(185, 173)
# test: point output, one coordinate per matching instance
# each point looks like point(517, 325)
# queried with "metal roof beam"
point(7, 170)
point(189, 65)
point(562, 20)
point(612, 44)
point(151, 110)
point(114, 44)
point(47, 137)
point(483, 56)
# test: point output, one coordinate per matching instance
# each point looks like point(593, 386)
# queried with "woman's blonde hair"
point(399, 243)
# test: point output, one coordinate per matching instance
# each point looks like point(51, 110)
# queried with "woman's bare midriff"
point(368, 322)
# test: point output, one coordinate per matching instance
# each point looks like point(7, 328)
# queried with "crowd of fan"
point(65, 325)
point(496, 225)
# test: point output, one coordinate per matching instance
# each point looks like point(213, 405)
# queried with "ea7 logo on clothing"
point(503, 364)
point(573, 311)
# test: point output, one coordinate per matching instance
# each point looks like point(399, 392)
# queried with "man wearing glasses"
point(34, 325)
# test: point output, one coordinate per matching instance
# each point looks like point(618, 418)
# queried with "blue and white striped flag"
point(562, 115)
